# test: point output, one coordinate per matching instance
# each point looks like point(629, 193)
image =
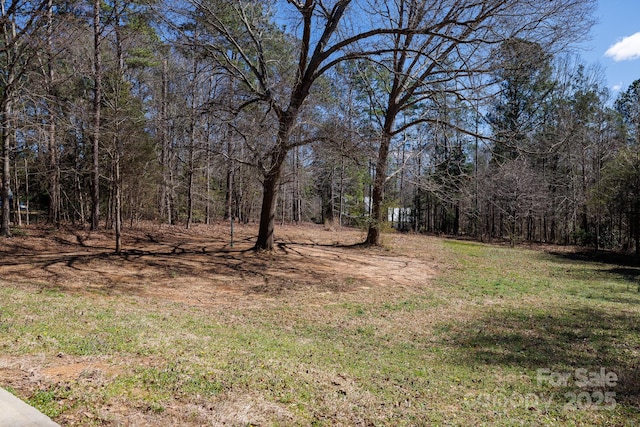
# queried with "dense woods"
point(447, 116)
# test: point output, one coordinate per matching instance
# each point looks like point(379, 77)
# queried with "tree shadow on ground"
point(603, 257)
point(562, 338)
point(164, 263)
point(600, 267)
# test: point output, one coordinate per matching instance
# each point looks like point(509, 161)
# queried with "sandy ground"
point(200, 267)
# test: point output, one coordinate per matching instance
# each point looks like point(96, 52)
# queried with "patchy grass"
point(479, 343)
point(544, 313)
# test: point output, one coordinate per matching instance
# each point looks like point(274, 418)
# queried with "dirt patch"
point(79, 370)
point(200, 267)
point(28, 375)
point(311, 266)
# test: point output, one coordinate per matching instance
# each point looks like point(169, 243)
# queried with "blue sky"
point(615, 42)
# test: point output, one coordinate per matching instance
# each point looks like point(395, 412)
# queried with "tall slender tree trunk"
point(171, 215)
point(190, 186)
point(7, 130)
point(78, 187)
point(341, 191)
point(296, 197)
point(26, 191)
point(228, 198)
point(97, 101)
point(164, 207)
point(207, 177)
point(118, 138)
point(7, 133)
point(118, 197)
point(7, 143)
point(54, 169)
point(16, 194)
point(54, 174)
point(191, 165)
point(192, 141)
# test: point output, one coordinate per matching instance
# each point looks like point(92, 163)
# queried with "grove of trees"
point(463, 117)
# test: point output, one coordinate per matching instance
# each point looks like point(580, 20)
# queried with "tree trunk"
point(190, 190)
point(118, 199)
point(190, 172)
point(97, 100)
point(170, 193)
point(374, 231)
point(80, 192)
point(164, 205)
point(270, 189)
point(192, 144)
point(283, 196)
point(207, 177)
point(118, 140)
point(268, 213)
point(54, 174)
point(7, 136)
point(272, 180)
point(341, 190)
point(327, 199)
point(297, 198)
point(54, 170)
point(228, 197)
point(26, 191)
point(108, 220)
point(7, 131)
point(16, 194)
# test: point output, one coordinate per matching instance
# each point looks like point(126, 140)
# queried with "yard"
point(185, 329)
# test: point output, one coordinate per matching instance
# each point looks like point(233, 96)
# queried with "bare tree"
point(419, 43)
point(448, 44)
point(19, 22)
point(52, 148)
point(97, 105)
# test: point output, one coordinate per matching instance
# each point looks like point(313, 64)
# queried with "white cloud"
point(617, 87)
point(626, 49)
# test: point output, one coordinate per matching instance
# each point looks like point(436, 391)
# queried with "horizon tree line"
point(468, 120)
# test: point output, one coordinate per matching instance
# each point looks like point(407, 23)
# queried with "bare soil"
point(201, 267)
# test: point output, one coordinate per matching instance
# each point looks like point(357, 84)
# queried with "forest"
point(452, 117)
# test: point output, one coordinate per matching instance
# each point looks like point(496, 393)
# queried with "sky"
point(615, 42)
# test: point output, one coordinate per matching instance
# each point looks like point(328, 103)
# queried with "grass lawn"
point(491, 336)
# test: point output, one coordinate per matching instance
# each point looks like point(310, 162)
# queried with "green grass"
point(464, 350)
point(51, 401)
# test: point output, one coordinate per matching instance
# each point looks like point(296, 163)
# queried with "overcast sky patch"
point(626, 49)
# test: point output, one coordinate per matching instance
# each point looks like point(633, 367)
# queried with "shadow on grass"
point(603, 257)
point(628, 274)
point(561, 339)
point(602, 269)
